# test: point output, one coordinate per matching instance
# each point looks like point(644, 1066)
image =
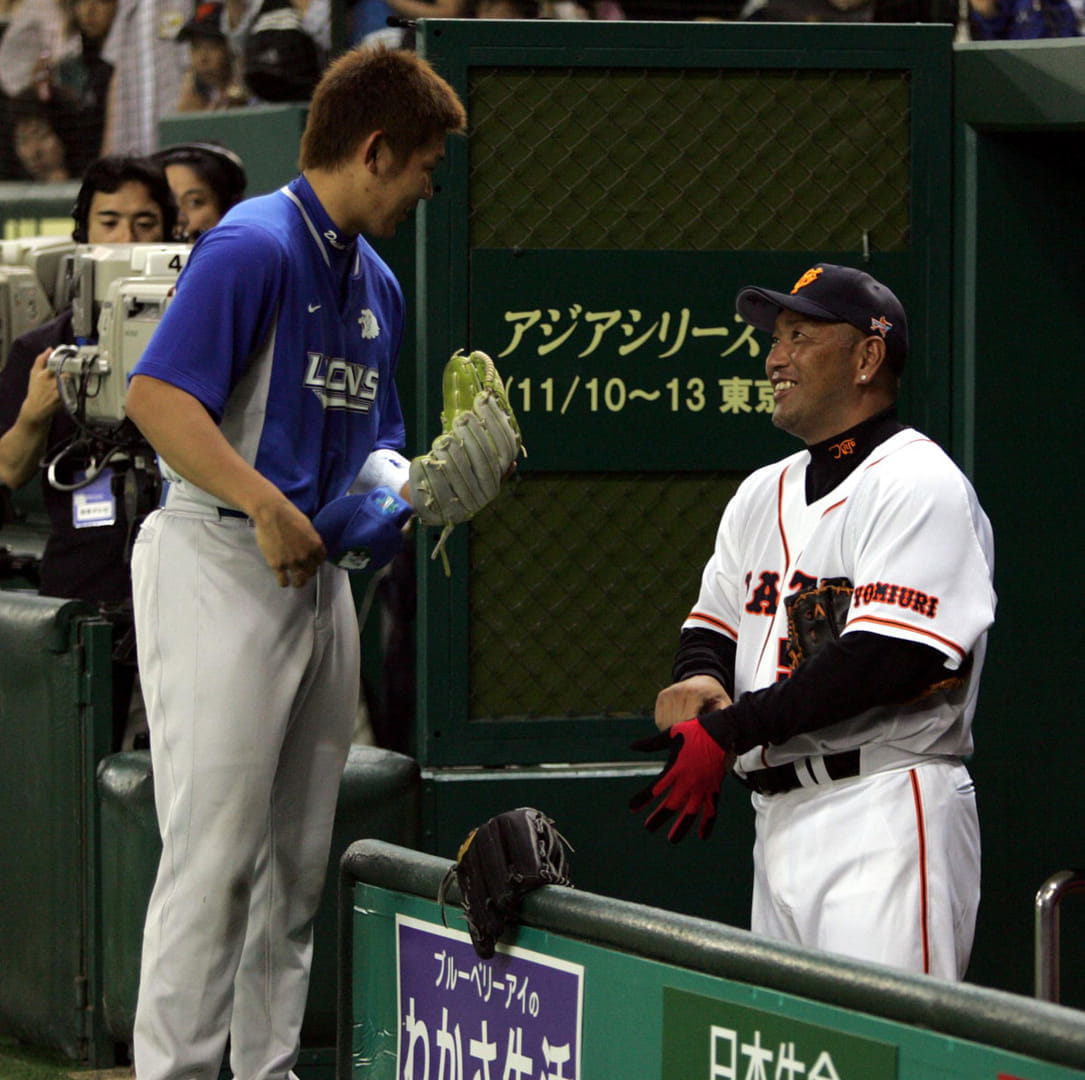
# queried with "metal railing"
point(1048, 900)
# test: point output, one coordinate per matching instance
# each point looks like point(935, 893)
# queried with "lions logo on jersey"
point(341, 385)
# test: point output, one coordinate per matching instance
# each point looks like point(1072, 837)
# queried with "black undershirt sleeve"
point(705, 652)
point(856, 672)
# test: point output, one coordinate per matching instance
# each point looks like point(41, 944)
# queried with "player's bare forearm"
point(691, 697)
point(182, 431)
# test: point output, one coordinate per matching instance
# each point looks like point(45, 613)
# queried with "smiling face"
point(816, 372)
point(197, 204)
point(399, 185)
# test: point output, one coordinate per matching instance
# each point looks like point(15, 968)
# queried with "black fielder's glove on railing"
point(499, 863)
point(689, 784)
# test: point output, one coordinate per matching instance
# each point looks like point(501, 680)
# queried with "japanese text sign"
point(514, 1016)
point(708, 1039)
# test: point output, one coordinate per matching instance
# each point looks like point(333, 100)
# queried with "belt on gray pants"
point(777, 779)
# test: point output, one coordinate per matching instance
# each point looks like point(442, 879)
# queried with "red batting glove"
point(689, 784)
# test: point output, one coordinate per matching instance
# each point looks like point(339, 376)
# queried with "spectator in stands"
point(206, 179)
point(85, 75)
point(369, 18)
point(294, 37)
point(282, 59)
point(40, 34)
point(1021, 19)
point(58, 61)
point(45, 136)
point(212, 80)
point(808, 11)
point(121, 200)
point(148, 69)
point(502, 9)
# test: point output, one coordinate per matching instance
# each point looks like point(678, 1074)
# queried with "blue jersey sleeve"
point(222, 309)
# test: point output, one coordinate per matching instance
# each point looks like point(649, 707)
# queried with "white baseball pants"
point(883, 868)
point(251, 691)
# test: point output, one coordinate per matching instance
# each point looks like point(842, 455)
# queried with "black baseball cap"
point(837, 294)
point(206, 22)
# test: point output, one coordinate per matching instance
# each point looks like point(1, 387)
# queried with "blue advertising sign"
point(514, 1016)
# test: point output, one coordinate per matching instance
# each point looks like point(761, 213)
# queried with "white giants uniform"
point(288, 334)
point(882, 864)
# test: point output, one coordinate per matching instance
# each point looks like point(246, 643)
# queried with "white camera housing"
point(119, 294)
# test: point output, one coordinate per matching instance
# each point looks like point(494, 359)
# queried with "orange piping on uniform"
point(921, 836)
point(780, 520)
point(908, 626)
point(718, 624)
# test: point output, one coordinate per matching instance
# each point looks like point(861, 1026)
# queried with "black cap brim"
point(761, 307)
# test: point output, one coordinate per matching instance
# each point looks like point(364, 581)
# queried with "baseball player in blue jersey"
point(268, 392)
point(832, 658)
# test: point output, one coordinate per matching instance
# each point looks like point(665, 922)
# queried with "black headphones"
point(229, 179)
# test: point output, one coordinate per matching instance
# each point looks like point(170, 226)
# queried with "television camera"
point(118, 295)
point(34, 276)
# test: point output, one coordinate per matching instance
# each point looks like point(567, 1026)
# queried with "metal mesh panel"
point(579, 584)
point(689, 159)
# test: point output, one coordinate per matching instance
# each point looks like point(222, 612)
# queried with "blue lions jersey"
point(288, 333)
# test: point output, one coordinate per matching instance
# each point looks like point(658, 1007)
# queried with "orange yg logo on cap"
point(809, 276)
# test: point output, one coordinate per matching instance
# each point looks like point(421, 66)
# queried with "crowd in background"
point(82, 78)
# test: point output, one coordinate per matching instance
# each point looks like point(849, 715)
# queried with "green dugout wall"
point(589, 987)
point(1019, 296)
point(55, 726)
point(619, 184)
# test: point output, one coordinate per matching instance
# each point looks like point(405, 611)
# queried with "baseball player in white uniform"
point(867, 838)
point(268, 391)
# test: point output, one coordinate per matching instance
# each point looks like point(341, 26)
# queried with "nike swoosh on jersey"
point(314, 307)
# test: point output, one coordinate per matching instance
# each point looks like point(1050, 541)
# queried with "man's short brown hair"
point(367, 90)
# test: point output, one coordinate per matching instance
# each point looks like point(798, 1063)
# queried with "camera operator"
point(121, 200)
